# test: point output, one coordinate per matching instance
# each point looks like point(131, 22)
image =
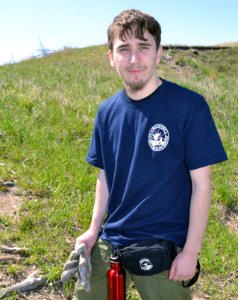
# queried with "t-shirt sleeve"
point(94, 156)
point(203, 143)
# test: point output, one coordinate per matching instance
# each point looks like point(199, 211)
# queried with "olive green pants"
point(156, 287)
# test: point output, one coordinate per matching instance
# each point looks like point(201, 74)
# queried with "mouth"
point(135, 71)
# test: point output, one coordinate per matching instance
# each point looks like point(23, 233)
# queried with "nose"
point(134, 56)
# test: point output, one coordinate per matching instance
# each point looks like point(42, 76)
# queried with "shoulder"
point(111, 108)
point(111, 102)
point(184, 97)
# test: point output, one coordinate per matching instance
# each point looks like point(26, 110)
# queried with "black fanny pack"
point(147, 257)
point(151, 257)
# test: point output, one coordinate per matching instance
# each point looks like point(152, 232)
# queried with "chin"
point(135, 86)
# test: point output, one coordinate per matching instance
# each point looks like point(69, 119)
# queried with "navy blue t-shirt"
point(147, 149)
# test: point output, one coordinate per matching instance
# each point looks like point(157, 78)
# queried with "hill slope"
point(47, 109)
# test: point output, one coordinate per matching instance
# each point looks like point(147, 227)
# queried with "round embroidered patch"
point(145, 264)
point(158, 137)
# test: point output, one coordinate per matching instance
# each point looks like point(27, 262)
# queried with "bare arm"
point(184, 265)
point(99, 212)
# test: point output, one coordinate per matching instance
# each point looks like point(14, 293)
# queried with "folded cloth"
point(78, 264)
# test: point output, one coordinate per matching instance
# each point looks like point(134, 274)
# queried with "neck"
point(143, 93)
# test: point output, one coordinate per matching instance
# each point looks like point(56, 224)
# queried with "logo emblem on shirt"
point(158, 137)
point(145, 264)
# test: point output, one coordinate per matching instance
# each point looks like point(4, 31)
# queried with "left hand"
point(183, 267)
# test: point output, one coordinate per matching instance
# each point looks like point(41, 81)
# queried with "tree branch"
point(30, 283)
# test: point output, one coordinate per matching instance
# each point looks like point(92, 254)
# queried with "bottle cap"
point(115, 258)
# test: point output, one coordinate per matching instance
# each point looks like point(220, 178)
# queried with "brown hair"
point(136, 22)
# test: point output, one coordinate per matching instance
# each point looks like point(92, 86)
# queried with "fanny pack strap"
point(195, 277)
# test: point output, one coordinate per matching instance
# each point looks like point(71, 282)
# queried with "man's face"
point(135, 60)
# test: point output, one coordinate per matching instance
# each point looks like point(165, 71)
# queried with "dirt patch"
point(7, 280)
point(11, 200)
point(43, 293)
point(229, 217)
point(231, 221)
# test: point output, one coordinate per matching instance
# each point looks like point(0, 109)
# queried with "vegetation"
point(47, 110)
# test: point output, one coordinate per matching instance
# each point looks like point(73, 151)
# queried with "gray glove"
point(78, 264)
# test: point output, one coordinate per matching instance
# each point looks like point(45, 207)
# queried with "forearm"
point(100, 205)
point(184, 265)
point(199, 210)
point(99, 211)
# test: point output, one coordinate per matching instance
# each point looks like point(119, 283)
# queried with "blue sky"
point(28, 25)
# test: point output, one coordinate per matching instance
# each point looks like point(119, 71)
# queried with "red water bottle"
point(116, 279)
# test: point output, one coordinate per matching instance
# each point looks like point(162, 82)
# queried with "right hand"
point(89, 238)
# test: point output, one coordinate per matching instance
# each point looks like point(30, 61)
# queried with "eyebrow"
point(123, 46)
point(145, 43)
point(142, 43)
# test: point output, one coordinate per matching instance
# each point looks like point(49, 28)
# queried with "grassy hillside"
point(47, 109)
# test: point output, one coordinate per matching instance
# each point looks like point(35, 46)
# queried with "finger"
point(88, 253)
point(84, 250)
point(79, 245)
point(74, 255)
point(66, 275)
point(70, 265)
point(172, 272)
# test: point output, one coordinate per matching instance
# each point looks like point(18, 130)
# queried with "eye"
point(123, 50)
point(144, 47)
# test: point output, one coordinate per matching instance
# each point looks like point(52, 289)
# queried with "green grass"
point(47, 110)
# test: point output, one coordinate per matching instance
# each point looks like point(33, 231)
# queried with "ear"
point(110, 55)
point(159, 54)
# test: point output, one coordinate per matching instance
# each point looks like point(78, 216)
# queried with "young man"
point(153, 143)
